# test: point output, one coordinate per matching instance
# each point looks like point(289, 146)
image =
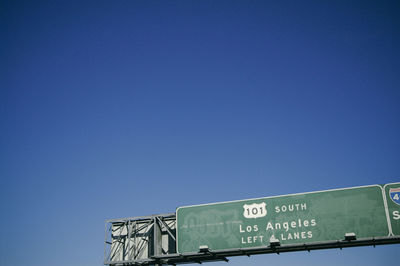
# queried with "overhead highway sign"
point(292, 219)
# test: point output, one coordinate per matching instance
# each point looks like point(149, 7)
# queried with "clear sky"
point(116, 109)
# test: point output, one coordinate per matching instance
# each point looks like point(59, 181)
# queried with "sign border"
point(294, 194)
point(389, 221)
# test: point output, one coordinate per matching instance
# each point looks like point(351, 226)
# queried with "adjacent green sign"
point(392, 195)
point(291, 219)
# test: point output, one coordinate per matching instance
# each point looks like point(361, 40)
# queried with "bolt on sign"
point(291, 219)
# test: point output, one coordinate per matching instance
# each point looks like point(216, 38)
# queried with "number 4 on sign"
point(394, 194)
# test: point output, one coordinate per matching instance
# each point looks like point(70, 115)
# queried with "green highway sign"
point(392, 195)
point(291, 219)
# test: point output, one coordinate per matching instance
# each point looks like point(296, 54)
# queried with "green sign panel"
point(392, 195)
point(291, 219)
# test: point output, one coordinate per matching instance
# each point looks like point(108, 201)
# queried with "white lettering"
point(286, 226)
point(293, 224)
point(241, 229)
point(296, 235)
point(396, 215)
point(248, 228)
point(290, 225)
point(269, 226)
point(291, 207)
point(252, 239)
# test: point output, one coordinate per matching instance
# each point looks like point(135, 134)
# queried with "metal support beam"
point(157, 239)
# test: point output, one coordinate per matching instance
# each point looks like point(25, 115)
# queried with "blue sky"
point(116, 109)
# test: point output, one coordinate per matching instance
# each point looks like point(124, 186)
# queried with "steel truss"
point(151, 240)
